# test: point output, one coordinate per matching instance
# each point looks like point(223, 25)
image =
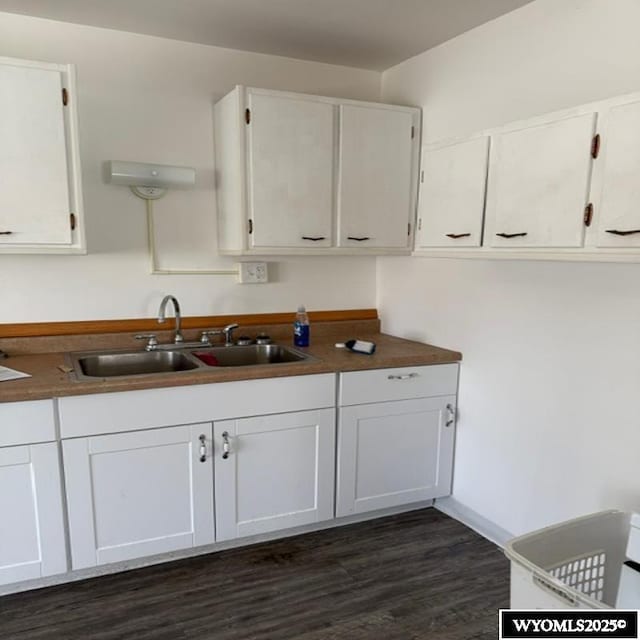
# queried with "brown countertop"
point(48, 381)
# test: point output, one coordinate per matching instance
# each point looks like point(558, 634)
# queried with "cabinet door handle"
point(455, 236)
point(6, 233)
point(362, 239)
point(452, 415)
point(512, 235)
point(225, 445)
point(203, 447)
point(403, 376)
point(314, 238)
point(617, 232)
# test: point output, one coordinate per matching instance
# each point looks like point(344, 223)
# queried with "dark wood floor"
point(407, 577)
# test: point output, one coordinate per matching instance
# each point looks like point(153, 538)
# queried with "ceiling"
point(370, 34)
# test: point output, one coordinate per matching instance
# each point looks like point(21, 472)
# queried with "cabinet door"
point(452, 192)
point(279, 472)
point(290, 170)
point(32, 543)
point(376, 176)
point(619, 210)
point(394, 453)
point(538, 184)
point(137, 494)
point(34, 198)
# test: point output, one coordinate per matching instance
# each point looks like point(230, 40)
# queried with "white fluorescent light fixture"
point(149, 181)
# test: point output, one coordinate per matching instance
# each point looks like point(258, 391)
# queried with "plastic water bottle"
point(301, 328)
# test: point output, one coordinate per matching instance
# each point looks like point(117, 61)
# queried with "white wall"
point(150, 99)
point(549, 418)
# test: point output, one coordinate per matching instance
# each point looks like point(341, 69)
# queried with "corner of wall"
point(456, 510)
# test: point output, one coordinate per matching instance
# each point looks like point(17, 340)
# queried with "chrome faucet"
point(228, 334)
point(178, 339)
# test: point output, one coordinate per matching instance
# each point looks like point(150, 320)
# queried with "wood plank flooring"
point(414, 576)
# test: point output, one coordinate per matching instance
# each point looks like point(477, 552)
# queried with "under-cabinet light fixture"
point(149, 181)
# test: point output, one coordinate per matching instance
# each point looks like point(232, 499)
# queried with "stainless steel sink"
point(94, 365)
point(246, 356)
point(136, 363)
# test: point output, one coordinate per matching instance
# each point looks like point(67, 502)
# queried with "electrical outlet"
point(253, 273)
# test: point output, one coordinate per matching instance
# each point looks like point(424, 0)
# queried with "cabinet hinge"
point(409, 229)
point(422, 176)
point(65, 97)
point(250, 226)
point(413, 132)
point(419, 224)
point(595, 146)
point(72, 221)
point(247, 115)
point(588, 215)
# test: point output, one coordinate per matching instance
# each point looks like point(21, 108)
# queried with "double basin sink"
point(115, 364)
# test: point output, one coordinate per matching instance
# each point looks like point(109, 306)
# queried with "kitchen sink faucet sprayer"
point(176, 310)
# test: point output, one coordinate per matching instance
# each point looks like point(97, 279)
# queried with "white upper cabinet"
point(452, 193)
point(40, 198)
point(290, 170)
point(538, 184)
point(376, 194)
point(618, 208)
point(301, 174)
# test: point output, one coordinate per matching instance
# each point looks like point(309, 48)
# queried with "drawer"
point(26, 422)
point(402, 383)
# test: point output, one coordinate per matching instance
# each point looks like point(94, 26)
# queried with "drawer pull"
point(618, 232)
point(512, 235)
point(358, 239)
point(6, 233)
point(455, 236)
point(225, 445)
point(403, 376)
point(203, 447)
point(314, 238)
point(452, 415)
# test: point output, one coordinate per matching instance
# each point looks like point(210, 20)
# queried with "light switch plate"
point(252, 273)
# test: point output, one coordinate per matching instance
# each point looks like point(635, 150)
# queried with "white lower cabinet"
point(32, 540)
point(32, 530)
point(273, 472)
point(396, 432)
point(138, 485)
point(138, 493)
point(394, 453)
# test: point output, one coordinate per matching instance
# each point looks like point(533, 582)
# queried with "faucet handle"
point(152, 340)
point(204, 336)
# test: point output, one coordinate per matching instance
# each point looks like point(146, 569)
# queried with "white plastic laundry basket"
point(573, 564)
